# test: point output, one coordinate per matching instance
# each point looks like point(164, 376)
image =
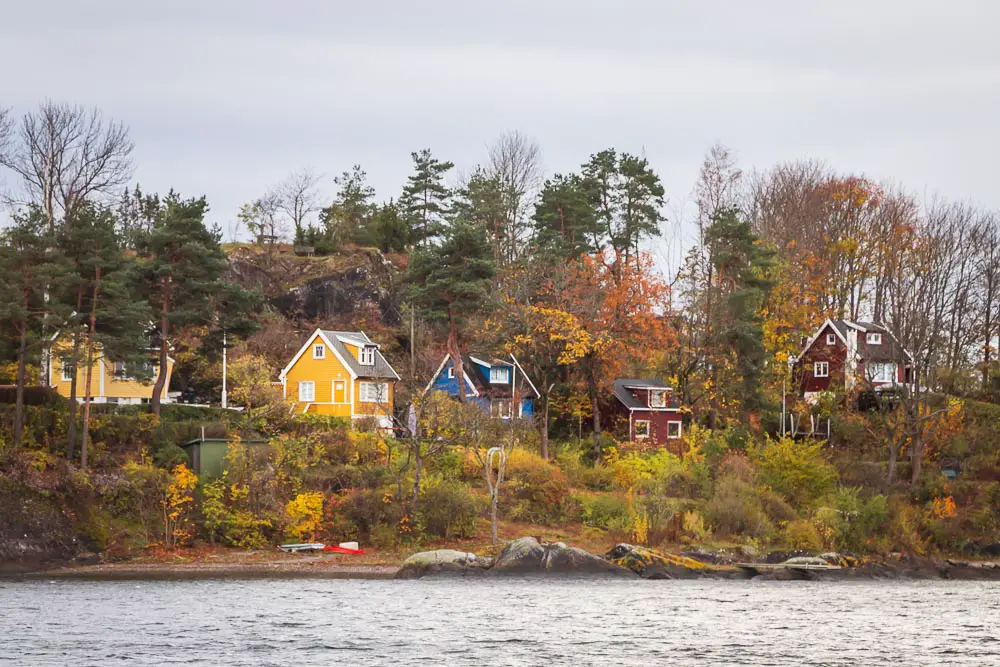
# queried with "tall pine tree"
point(425, 200)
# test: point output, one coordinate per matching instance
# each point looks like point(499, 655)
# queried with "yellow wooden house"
point(343, 374)
point(110, 381)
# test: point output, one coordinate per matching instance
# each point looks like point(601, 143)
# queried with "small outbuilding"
point(653, 416)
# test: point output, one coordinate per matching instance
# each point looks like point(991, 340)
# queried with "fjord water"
point(503, 622)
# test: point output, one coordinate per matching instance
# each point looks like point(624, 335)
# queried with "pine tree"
point(346, 219)
point(452, 281)
point(182, 269)
point(481, 204)
point(627, 196)
point(387, 230)
point(565, 223)
point(31, 267)
point(425, 200)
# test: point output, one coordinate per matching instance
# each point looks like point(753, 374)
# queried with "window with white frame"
point(374, 392)
point(831, 339)
point(366, 357)
point(499, 375)
point(319, 351)
point(641, 428)
point(874, 338)
point(67, 369)
point(673, 429)
point(451, 372)
point(821, 369)
point(657, 398)
point(501, 407)
point(307, 392)
point(882, 372)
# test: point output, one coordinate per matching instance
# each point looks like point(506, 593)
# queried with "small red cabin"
point(652, 413)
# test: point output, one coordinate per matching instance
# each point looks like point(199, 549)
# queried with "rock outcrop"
point(650, 564)
point(443, 561)
point(527, 556)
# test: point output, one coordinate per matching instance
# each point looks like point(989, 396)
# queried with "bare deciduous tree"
point(64, 154)
point(515, 162)
point(296, 198)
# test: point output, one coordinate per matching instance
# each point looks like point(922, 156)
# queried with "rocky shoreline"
point(528, 557)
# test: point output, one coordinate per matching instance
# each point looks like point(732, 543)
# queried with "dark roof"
point(889, 350)
point(482, 382)
point(625, 396)
point(381, 369)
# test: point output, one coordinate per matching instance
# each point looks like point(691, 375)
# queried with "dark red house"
point(847, 356)
point(651, 412)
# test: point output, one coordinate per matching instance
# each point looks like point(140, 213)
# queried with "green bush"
point(802, 534)
point(367, 509)
point(448, 509)
point(851, 520)
point(796, 470)
point(601, 510)
point(582, 476)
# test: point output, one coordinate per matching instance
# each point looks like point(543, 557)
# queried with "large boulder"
point(651, 564)
point(443, 561)
point(527, 556)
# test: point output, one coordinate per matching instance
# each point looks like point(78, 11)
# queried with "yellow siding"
point(323, 373)
point(113, 387)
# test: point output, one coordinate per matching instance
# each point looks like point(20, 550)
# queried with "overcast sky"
point(226, 97)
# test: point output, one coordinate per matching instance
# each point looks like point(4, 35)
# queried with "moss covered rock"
point(651, 564)
point(443, 561)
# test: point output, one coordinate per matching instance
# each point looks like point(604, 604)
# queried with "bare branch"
point(66, 154)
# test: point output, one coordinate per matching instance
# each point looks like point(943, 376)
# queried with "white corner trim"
point(307, 345)
point(525, 376)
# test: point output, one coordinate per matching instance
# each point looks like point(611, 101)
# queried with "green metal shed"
point(207, 456)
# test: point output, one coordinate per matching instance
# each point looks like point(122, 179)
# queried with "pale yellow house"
point(110, 381)
point(343, 374)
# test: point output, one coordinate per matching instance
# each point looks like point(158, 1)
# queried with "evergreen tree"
point(481, 204)
point(452, 281)
point(742, 266)
point(627, 197)
point(31, 266)
point(182, 270)
point(99, 293)
point(565, 223)
point(425, 199)
point(388, 231)
point(347, 217)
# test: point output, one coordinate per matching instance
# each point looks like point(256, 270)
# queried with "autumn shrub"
point(579, 475)
point(448, 509)
point(178, 507)
point(304, 515)
point(371, 509)
point(801, 534)
point(534, 490)
point(228, 518)
point(735, 509)
point(796, 470)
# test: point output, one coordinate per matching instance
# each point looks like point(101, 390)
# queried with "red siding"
point(658, 423)
point(835, 355)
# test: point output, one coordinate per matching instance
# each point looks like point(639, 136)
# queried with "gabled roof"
point(889, 350)
point(381, 369)
point(335, 341)
point(625, 397)
point(473, 368)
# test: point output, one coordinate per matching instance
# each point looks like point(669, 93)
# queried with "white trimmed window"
point(641, 429)
point(67, 370)
point(673, 429)
point(657, 398)
point(882, 372)
point(366, 357)
point(502, 408)
point(831, 339)
point(307, 392)
point(319, 351)
point(374, 392)
point(451, 372)
point(499, 375)
point(874, 339)
point(821, 369)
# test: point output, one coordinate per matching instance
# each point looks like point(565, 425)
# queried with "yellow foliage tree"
point(177, 504)
point(305, 515)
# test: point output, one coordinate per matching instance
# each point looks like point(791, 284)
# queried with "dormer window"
point(366, 357)
point(831, 339)
point(319, 351)
point(874, 339)
point(657, 398)
point(499, 375)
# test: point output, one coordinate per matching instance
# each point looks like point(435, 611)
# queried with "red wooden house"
point(652, 414)
point(844, 356)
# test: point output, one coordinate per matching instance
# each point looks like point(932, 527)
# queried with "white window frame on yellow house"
point(381, 392)
point(307, 384)
point(319, 351)
point(366, 355)
point(67, 369)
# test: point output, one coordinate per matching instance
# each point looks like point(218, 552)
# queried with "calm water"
point(512, 622)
